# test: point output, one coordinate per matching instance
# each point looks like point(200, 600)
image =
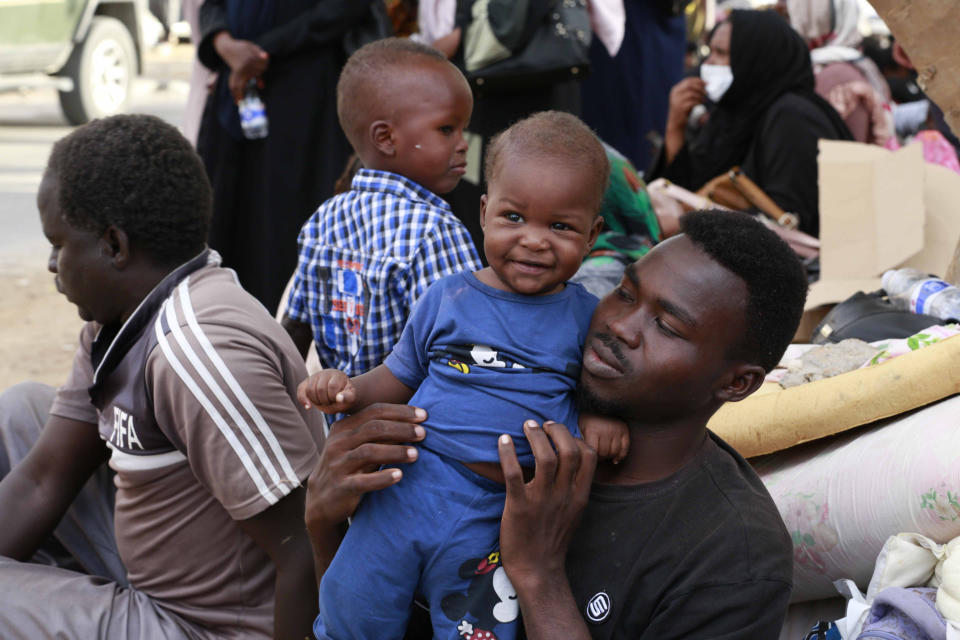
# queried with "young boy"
point(368, 254)
point(484, 351)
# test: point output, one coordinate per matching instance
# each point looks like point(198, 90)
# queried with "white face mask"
point(718, 78)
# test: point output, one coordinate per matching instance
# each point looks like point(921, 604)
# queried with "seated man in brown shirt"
point(186, 387)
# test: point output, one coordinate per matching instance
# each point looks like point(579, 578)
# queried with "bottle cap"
point(887, 277)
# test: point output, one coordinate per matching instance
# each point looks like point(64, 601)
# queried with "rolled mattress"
point(842, 497)
point(774, 418)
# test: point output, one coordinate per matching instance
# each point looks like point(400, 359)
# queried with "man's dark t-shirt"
point(701, 554)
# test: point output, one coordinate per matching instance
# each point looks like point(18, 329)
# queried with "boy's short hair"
point(776, 280)
point(140, 174)
point(368, 72)
point(554, 134)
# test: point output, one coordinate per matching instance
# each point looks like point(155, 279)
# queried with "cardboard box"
point(881, 210)
point(941, 201)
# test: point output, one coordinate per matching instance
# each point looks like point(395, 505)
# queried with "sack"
point(870, 317)
point(735, 190)
point(377, 25)
point(503, 50)
point(899, 613)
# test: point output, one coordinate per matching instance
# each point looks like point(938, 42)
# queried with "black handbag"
point(672, 7)
point(558, 48)
point(870, 317)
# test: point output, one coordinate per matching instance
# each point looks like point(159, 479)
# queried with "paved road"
point(31, 122)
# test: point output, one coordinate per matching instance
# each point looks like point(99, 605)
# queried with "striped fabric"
point(365, 257)
point(233, 410)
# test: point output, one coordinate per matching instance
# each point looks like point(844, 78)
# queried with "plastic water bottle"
point(253, 114)
point(916, 291)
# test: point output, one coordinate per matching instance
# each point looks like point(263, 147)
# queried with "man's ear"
point(381, 137)
point(742, 380)
point(115, 245)
point(483, 210)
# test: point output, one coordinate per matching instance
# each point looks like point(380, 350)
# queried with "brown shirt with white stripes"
point(219, 379)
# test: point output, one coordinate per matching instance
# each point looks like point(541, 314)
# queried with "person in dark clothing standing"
point(625, 96)
point(767, 120)
point(265, 189)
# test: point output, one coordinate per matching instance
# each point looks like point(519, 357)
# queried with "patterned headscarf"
point(831, 30)
point(826, 23)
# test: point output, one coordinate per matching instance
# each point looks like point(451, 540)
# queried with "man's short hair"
point(556, 135)
point(140, 174)
point(776, 280)
point(367, 74)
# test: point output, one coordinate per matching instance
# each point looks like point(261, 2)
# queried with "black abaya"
point(768, 122)
point(265, 189)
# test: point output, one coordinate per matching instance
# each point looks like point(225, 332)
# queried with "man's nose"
point(626, 327)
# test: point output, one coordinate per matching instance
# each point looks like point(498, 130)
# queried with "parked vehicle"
point(90, 51)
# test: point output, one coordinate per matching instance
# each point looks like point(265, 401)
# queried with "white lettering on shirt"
point(124, 434)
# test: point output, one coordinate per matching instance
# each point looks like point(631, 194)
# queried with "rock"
point(828, 361)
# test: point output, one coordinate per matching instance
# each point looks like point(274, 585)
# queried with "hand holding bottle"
point(246, 61)
point(253, 113)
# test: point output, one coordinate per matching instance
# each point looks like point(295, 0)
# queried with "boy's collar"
point(390, 182)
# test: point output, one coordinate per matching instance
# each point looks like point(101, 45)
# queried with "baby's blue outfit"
point(483, 361)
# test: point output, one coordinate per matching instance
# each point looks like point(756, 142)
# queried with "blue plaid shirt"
point(365, 257)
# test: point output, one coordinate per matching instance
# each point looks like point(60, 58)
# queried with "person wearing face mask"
point(766, 116)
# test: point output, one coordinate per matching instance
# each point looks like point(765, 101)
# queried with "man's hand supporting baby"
point(539, 519)
point(332, 391)
point(349, 467)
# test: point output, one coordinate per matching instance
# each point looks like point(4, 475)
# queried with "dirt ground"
point(38, 327)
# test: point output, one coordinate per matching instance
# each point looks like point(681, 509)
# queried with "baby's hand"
point(329, 390)
point(607, 436)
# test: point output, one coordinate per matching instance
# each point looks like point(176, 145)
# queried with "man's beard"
point(589, 402)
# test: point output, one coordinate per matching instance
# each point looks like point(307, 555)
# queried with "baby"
point(482, 352)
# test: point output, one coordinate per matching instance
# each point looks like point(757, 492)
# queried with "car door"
point(36, 35)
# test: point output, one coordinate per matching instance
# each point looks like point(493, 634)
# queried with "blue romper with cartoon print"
point(482, 361)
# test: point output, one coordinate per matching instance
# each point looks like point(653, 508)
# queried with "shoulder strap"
point(759, 199)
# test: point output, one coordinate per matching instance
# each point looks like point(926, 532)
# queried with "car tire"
point(102, 68)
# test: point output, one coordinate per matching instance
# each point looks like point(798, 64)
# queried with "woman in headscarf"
point(848, 80)
point(766, 119)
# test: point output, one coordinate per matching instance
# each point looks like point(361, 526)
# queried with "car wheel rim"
point(109, 76)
